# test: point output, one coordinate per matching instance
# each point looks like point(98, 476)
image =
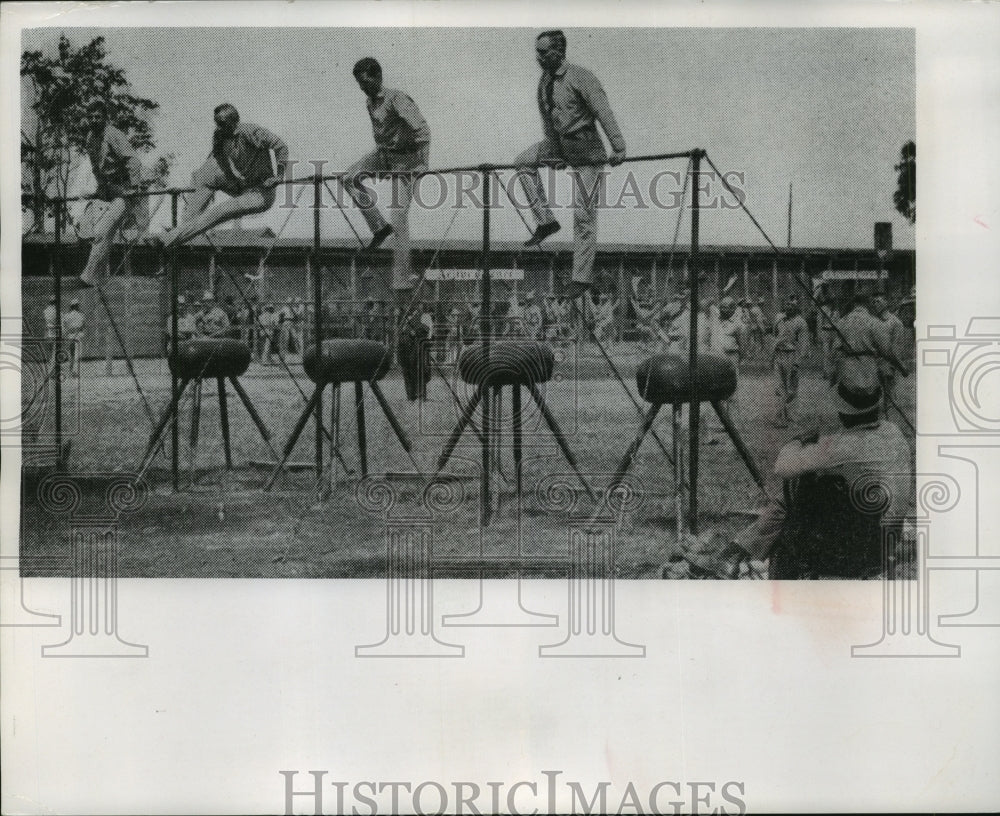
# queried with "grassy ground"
point(222, 525)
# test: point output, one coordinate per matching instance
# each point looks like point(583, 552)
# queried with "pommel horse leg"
point(224, 421)
point(307, 412)
point(396, 427)
point(633, 449)
point(560, 439)
point(456, 434)
point(359, 407)
point(245, 399)
point(738, 443)
point(161, 426)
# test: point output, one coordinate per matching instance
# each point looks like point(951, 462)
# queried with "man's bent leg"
point(399, 214)
point(531, 182)
point(255, 200)
point(587, 193)
point(206, 180)
point(362, 195)
point(98, 267)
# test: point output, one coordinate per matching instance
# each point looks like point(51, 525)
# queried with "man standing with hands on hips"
point(571, 102)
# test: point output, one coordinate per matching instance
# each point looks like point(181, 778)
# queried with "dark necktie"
point(549, 82)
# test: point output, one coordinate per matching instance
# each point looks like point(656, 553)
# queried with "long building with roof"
point(242, 263)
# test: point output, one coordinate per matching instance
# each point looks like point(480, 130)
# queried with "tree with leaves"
point(905, 197)
point(53, 135)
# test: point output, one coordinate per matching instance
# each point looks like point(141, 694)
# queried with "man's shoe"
point(542, 231)
point(379, 238)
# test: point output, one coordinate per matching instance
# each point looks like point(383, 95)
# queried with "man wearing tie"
point(571, 102)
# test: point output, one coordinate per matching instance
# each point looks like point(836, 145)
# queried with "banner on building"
point(473, 274)
point(855, 274)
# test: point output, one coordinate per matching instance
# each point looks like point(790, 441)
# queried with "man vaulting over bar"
point(571, 102)
point(117, 171)
point(247, 162)
point(402, 143)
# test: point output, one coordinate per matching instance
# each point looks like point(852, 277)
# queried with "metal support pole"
point(485, 329)
point(335, 425)
point(515, 407)
point(57, 362)
point(174, 382)
point(317, 279)
point(359, 408)
point(678, 473)
point(224, 421)
point(774, 290)
point(694, 405)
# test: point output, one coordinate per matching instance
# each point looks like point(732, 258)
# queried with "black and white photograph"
point(504, 344)
point(469, 342)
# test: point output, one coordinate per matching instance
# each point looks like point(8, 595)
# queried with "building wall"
point(141, 301)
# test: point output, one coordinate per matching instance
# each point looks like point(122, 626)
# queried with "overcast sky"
point(824, 109)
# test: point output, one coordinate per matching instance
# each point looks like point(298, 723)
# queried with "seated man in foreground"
point(866, 447)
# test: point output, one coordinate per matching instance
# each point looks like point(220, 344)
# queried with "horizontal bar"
point(477, 168)
point(135, 194)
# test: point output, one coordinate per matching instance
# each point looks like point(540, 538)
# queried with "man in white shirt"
point(895, 331)
point(402, 143)
point(117, 171)
point(791, 344)
point(73, 323)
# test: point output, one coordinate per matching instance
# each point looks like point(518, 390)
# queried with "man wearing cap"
point(213, 322)
point(533, 318)
point(413, 353)
point(758, 325)
point(791, 343)
point(187, 323)
point(605, 317)
point(402, 143)
point(550, 317)
point(247, 162)
point(116, 170)
point(50, 317)
point(826, 316)
point(728, 339)
point(895, 331)
point(678, 333)
point(73, 323)
point(298, 317)
point(267, 322)
point(865, 447)
point(862, 342)
point(571, 102)
point(513, 324)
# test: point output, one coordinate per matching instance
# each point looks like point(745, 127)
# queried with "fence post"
point(174, 382)
point(57, 350)
point(317, 280)
point(694, 406)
